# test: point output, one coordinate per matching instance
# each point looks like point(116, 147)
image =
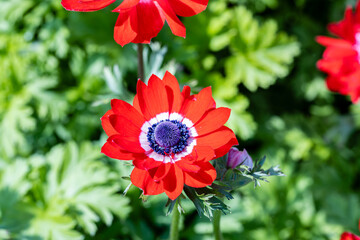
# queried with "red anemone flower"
point(141, 20)
point(350, 236)
point(169, 135)
point(341, 59)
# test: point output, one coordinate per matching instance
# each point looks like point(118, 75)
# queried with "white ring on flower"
point(144, 143)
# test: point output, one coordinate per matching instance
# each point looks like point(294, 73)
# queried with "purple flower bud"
point(236, 158)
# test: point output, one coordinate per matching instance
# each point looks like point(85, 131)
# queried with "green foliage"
point(232, 179)
point(238, 50)
point(209, 199)
point(205, 201)
point(50, 196)
point(260, 55)
point(260, 5)
point(14, 216)
point(154, 59)
point(63, 201)
point(59, 70)
point(15, 115)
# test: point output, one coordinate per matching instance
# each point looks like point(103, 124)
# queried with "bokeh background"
point(59, 70)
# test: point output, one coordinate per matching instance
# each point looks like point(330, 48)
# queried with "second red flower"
point(141, 20)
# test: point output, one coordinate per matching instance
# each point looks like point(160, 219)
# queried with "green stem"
point(216, 225)
point(174, 228)
point(140, 62)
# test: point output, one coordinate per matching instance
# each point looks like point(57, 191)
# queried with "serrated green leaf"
point(95, 183)
point(261, 54)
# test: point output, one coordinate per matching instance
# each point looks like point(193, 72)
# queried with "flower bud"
point(236, 158)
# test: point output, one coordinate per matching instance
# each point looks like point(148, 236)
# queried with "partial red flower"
point(350, 236)
point(169, 135)
point(141, 20)
point(341, 59)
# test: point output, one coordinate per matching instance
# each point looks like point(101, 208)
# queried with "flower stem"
point(140, 62)
point(174, 228)
point(216, 225)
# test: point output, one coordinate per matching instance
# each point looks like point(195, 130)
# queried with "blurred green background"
point(59, 70)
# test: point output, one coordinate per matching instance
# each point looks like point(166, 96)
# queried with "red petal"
point(357, 12)
point(161, 172)
point(212, 120)
point(174, 182)
point(346, 83)
point(203, 178)
point(173, 92)
point(204, 153)
point(195, 106)
point(345, 28)
point(153, 98)
point(349, 236)
point(333, 84)
point(338, 84)
point(85, 5)
point(336, 53)
point(149, 21)
point(126, 27)
point(147, 163)
point(188, 8)
point(113, 151)
point(126, 4)
point(225, 148)
point(129, 143)
point(176, 26)
point(334, 42)
point(105, 122)
point(221, 140)
point(136, 103)
point(125, 127)
point(143, 180)
point(330, 66)
point(138, 176)
point(124, 109)
point(354, 85)
point(186, 92)
point(355, 97)
point(188, 166)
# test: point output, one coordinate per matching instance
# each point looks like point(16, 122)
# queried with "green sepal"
point(205, 201)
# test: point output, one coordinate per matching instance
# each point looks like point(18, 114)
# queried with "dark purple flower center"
point(167, 134)
point(166, 137)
